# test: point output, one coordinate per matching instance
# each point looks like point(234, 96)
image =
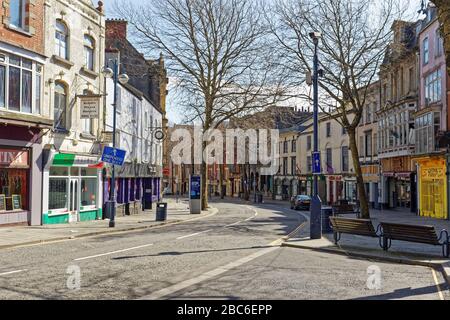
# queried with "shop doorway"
point(74, 200)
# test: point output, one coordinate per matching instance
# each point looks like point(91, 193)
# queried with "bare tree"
point(444, 17)
point(215, 51)
point(355, 36)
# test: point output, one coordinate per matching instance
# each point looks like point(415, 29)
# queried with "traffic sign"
point(114, 156)
point(317, 168)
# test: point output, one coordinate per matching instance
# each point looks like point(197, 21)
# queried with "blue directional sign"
point(317, 168)
point(114, 156)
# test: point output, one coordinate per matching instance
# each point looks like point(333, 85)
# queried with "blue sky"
point(173, 112)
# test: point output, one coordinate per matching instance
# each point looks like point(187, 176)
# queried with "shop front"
point(14, 185)
point(335, 188)
point(20, 176)
point(432, 185)
point(371, 176)
point(306, 185)
point(138, 187)
point(72, 184)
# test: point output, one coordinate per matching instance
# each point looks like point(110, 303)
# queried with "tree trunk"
point(364, 204)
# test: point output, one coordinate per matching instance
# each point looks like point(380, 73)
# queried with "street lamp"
point(316, 205)
point(123, 79)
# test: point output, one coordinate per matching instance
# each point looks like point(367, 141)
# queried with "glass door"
point(73, 200)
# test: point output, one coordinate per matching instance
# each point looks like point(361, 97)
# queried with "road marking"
point(193, 235)
point(114, 252)
point(207, 276)
point(11, 272)
point(218, 271)
point(438, 286)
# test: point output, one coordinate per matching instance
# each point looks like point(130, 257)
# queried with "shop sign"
point(72, 160)
point(13, 158)
point(433, 173)
point(90, 106)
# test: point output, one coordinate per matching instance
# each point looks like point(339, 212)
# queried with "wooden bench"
point(357, 227)
point(416, 234)
point(345, 209)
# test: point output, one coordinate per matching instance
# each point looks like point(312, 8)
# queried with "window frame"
point(89, 49)
point(23, 25)
point(58, 41)
point(28, 65)
point(64, 119)
point(426, 51)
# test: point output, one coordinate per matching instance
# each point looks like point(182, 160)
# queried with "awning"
point(73, 160)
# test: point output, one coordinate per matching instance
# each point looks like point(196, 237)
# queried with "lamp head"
point(108, 72)
point(123, 79)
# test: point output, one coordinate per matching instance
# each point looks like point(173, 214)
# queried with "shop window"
point(88, 172)
point(58, 194)
point(88, 193)
point(14, 189)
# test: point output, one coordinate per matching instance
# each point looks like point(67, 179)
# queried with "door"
point(74, 200)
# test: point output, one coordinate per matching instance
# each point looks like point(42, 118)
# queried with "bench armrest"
point(444, 237)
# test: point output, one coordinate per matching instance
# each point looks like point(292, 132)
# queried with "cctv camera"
point(315, 35)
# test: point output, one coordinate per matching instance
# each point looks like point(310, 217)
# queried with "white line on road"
point(438, 286)
point(114, 252)
point(193, 235)
point(207, 276)
point(11, 272)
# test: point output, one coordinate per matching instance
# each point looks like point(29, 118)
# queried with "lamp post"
point(123, 79)
point(316, 205)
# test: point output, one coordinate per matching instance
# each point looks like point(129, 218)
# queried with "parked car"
point(301, 202)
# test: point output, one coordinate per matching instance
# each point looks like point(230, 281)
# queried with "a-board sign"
point(2, 202)
point(16, 202)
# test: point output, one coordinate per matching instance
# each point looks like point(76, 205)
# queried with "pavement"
point(369, 248)
point(178, 211)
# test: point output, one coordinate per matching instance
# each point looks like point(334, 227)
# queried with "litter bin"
point(327, 212)
point(260, 198)
point(161, 211)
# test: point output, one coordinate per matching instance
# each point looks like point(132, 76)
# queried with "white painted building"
point(74, 44)
point(137, 123)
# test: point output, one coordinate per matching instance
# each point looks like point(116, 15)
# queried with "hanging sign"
point(89, 107)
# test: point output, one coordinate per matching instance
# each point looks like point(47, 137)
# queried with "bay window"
point(427, 126)
point(433, 87)
point(20, 84)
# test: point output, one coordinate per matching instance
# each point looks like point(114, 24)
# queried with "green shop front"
point(72, 188)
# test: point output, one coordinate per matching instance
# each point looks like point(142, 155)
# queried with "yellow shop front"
point(433, 187)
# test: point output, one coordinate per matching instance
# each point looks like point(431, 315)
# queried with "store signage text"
point(13, 158)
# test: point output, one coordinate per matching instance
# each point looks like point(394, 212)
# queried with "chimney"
point(116, 28)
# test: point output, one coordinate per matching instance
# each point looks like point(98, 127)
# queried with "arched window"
point(60, 106)
point(62, 40)
point(89, 48)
